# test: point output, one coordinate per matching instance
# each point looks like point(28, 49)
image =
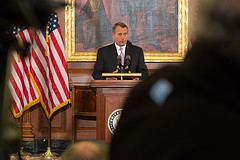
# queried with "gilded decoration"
point(160, 27)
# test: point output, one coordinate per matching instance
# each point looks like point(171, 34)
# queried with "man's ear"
point(113, 35)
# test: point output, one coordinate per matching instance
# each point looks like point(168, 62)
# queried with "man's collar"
point(117, 46)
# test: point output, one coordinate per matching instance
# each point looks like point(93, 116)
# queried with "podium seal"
point(113, 120)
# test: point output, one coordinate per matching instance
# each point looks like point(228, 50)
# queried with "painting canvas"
point(153, 25)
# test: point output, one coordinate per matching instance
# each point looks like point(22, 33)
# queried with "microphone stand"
point(121, 70)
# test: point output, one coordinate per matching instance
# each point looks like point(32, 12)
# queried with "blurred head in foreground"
point(86, 151)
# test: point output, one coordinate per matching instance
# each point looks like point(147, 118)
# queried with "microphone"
point(127, 63)
point(118, 62)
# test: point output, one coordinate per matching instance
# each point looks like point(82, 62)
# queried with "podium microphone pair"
point(127, 64)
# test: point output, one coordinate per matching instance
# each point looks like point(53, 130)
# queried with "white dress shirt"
point(118, 49)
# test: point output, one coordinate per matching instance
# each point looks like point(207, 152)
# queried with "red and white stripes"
point(42, 76)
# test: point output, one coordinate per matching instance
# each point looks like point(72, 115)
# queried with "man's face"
point(120, 36)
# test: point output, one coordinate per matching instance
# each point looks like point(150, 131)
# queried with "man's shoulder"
point(107, 46)
point(133, 46)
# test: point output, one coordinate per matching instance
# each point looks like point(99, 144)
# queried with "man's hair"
point(121, 24)
point(85, 150)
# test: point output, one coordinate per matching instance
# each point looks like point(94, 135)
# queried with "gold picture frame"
point(182, 37)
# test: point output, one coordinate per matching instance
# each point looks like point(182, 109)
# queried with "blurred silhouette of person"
point(107, 56)
point(190, 111)
point(86, 150)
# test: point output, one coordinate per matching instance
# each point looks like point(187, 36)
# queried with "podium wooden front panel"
point(111, 95)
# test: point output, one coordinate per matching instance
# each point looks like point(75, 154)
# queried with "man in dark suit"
point(107, 56)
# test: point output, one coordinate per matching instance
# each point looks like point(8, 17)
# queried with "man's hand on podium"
point(116, 71)
point(113, 78)
point(134, 78)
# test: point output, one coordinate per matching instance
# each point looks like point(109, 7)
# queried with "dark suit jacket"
point(106, 60)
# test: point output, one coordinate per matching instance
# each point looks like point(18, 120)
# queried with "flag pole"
point(49, 153)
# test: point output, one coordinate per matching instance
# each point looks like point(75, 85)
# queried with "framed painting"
point(159, 27)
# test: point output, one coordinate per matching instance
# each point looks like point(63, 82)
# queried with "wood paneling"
point(85, 100)
point(83, 111)
point(60, 124)
point(27, 133)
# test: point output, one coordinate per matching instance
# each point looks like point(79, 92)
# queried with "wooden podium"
point(111, 95)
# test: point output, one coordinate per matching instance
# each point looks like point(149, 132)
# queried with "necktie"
point(122, 56)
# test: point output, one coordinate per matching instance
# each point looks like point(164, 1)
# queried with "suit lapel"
point(114, 50)
point(112, 56)
point(128, 49)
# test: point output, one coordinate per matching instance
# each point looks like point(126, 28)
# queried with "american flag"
point(48, 67)
point(23, 93)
